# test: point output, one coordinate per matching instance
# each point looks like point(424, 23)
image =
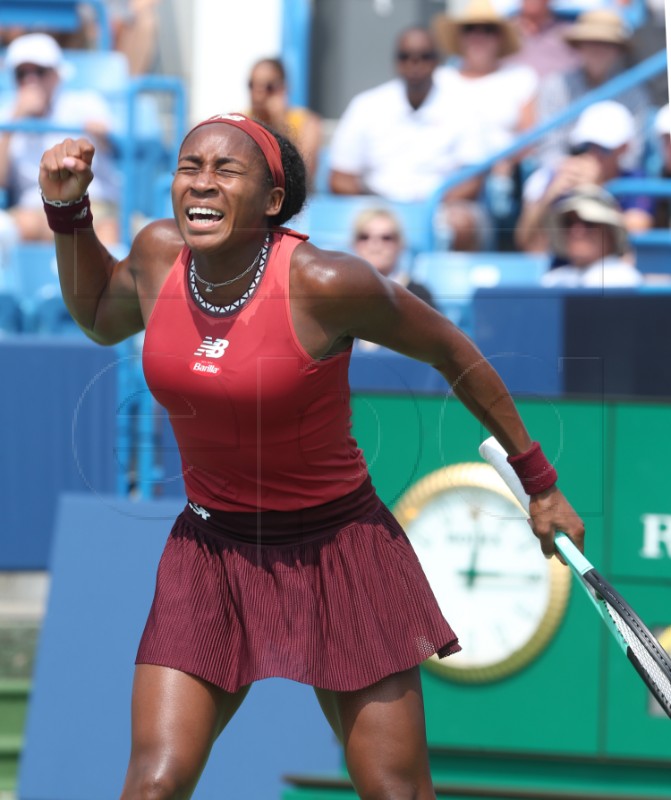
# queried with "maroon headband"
point(263, 138)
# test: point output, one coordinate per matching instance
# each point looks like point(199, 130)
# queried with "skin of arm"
point(110, 300)
point(339, 297)
point(346, 183)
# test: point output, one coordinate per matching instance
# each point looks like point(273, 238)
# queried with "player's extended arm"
point(356, 302)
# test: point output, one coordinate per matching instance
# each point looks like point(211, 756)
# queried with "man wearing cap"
point(36, 60)
point(601, 39)
point(587, 231)
point(597, 143)
point(662, 128)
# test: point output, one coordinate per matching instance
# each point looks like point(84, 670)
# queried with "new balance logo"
point(212, 348)
point(202, 512)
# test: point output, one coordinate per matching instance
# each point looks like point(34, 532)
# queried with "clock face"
point(503, 598)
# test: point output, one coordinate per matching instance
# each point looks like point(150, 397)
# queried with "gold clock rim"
point(484, 476)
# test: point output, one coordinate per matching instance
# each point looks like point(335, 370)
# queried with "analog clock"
point(503, 598)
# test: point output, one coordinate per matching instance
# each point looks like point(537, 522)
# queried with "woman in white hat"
point(601, 39)
point(587, 230)
point(501, 97)
point(495, 103)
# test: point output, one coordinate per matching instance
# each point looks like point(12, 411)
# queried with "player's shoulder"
point(157, 244)
point(326, 274)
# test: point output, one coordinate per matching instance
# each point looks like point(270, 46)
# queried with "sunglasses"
point(481, 27)
point(424, 55)
point(381, 237)
point(571, 221)
point(21, 73)
point(269, 88)
point(590, 147)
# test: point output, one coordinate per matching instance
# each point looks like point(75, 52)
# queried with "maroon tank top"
point(259, 423)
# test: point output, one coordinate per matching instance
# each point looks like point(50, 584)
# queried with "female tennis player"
point(284, 561)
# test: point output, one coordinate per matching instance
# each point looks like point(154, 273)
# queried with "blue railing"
point(55, 15)
point(296, 25)
point(640, 73)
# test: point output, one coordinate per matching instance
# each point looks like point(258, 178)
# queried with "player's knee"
point(386, 787)
point(150, 785)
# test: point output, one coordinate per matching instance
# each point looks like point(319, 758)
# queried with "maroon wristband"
point(535, 472)
point(68, 218)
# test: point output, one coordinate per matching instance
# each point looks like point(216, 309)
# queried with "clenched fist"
point(65, 170)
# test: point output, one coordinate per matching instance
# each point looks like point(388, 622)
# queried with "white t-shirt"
point(73, 108)
point(491, 104)
point(401, 153)
point(608, 272)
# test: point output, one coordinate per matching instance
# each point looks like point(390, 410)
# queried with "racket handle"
point(492, 452)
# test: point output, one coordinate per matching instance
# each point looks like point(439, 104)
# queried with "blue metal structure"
point(55, 15)
point(295, 48)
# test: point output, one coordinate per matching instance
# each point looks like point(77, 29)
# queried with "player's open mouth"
point(199, 215)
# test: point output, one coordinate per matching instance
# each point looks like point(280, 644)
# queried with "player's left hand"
point(550, 512)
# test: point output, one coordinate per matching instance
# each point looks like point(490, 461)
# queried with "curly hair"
point(295, 178)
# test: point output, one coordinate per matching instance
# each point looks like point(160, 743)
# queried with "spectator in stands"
point(37, 63)
point(542, 45)
point(495, 103)
point(663, 132)
point(402, 139)
point(134, 26)
point(269, 104)
point(587, 230)
point(598, 142)
point(648, 38)
point(377, 237)
point(601, 39)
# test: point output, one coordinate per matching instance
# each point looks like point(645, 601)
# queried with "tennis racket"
point(646, 654)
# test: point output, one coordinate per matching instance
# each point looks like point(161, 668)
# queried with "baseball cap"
point(608, 124)
point(663, 121)
point(34, 48)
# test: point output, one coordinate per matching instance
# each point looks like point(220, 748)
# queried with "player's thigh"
point(176, 718)
point(384, 736)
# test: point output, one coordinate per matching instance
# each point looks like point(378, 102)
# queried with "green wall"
point(580, 696)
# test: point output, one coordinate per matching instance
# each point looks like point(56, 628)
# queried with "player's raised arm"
point(99, 291)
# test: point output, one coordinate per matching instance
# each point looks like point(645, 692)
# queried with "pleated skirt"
point(332, 596)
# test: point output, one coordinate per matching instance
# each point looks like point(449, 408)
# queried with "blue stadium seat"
point(51, 316)
point(453, 277)
point(55, 15)
point(328, 219)
point(33, 277)
point(10, 314)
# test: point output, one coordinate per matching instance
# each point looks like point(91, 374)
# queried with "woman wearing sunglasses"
point(496, 101)
point(269, 103)
point(587, 231)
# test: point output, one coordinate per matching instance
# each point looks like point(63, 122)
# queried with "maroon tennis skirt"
point(332, 596)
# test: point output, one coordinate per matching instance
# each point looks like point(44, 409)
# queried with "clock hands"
point(471, 574)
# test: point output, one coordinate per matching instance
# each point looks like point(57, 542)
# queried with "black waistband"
point(274, 528)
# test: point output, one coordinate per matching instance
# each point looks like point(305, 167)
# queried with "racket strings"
point(660, 677)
